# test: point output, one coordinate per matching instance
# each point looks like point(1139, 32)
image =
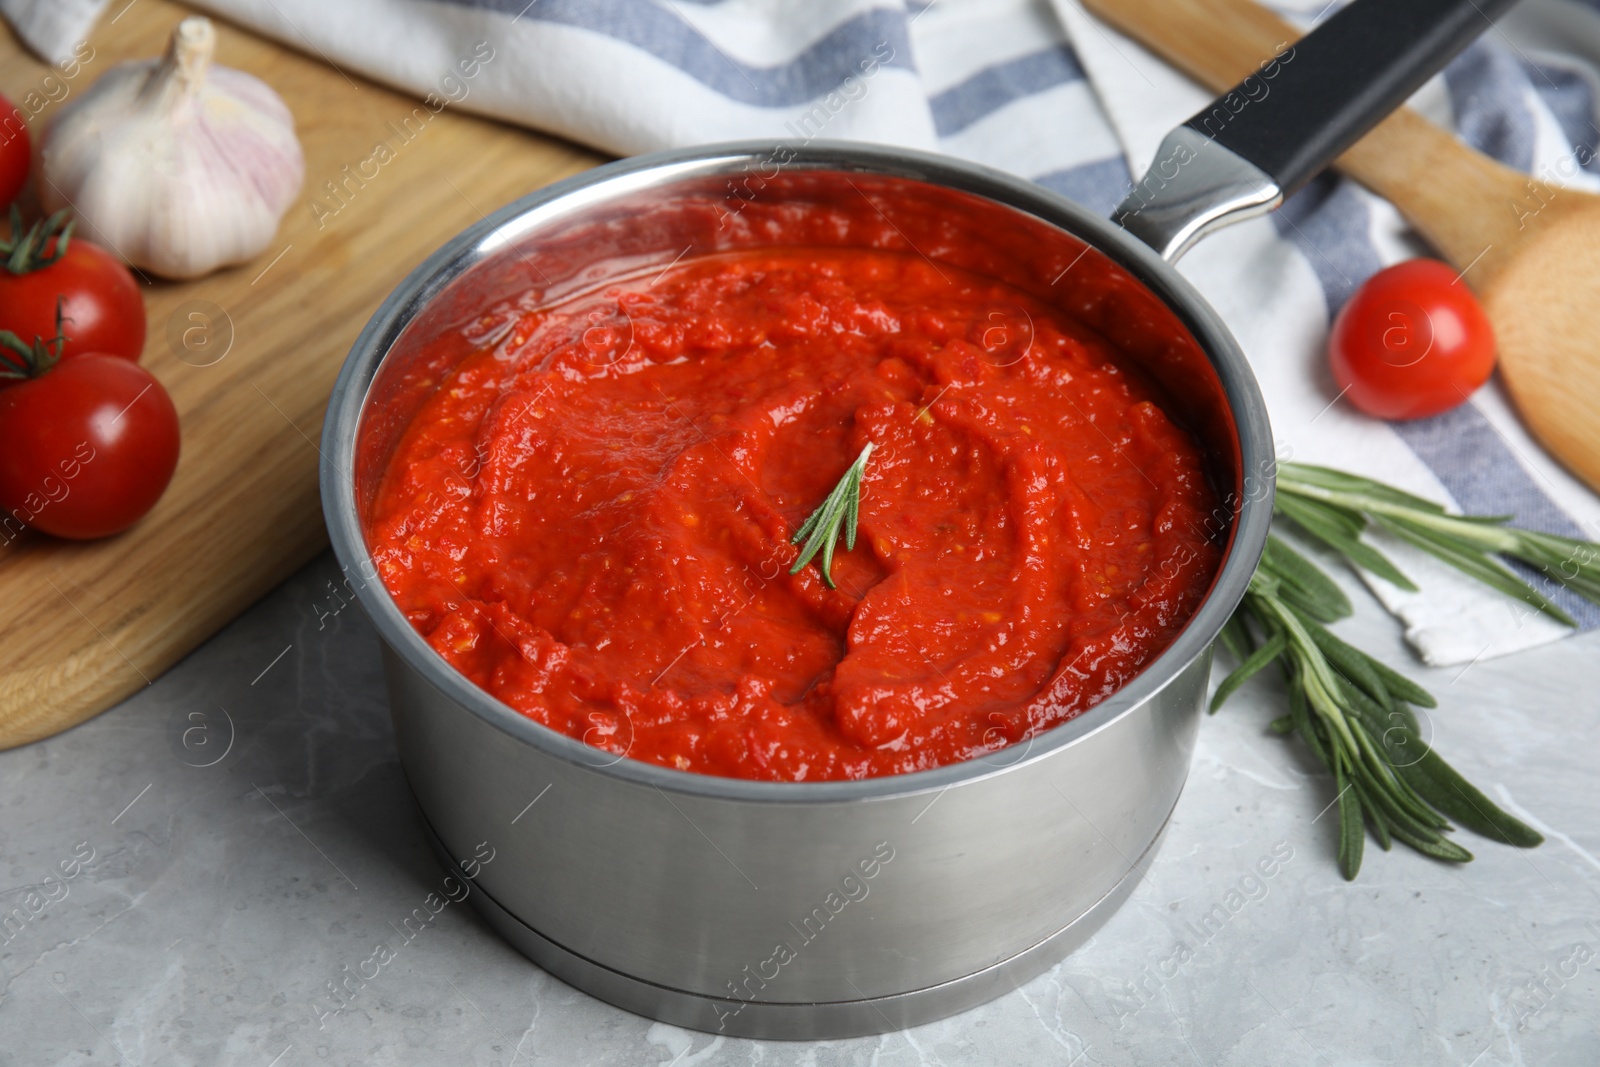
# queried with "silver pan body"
point(800, 910)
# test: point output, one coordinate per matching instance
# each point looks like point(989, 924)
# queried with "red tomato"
point(86, 448)
point(103, 310)
point(1411, 342)
point(15, 152)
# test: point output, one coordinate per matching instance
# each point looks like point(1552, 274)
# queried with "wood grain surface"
point(84, 625)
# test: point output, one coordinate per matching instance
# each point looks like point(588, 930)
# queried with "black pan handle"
point(1339, 81)
point(1278, 128)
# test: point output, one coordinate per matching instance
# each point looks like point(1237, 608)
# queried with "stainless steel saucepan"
point(811, 910)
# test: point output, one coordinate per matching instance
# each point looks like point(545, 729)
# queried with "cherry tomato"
point(1412, 342)
point(86, 448)
point(15, 152)
point(102, 312)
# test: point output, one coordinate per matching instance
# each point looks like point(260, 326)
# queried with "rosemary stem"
point(1320, 685)
point(1491, 538)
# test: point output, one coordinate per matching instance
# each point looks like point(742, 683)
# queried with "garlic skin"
point(177, 166)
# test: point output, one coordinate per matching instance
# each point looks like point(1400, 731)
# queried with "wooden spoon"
point(1531, 250)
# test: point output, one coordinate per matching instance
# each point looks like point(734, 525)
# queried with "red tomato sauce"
point(591, 516)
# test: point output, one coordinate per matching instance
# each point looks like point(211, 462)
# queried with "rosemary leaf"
point(1478, 565)
point(1355, 665)
point(1299, 476)
point(1380, 825)
point(1252, 665)
point(1323, 524)
point(1440, 848)
point(1440, 785)
point(1336, 525)
point(1352, 835)
point(1401, 800)
point(1303, 585)
point(1395, 815)
point(1303, 722)
point(1402, 689)
point(1235, 637)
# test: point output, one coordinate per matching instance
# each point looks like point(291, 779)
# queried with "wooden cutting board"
point(83, 625)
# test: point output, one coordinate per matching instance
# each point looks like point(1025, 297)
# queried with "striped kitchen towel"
point(1042, 90)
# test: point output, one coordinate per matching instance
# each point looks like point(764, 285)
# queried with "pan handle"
point(1305, 105)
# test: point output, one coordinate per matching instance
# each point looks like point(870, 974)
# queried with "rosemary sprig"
point(1333, 508)
point(1353, 712)
point(840, 509)
point(1356, 715)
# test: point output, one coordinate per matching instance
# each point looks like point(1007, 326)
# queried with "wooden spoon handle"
point(1461, 201)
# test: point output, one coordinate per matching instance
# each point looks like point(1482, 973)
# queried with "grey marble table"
point(239, 833)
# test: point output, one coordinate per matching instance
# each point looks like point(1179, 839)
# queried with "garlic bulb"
point(177, 166)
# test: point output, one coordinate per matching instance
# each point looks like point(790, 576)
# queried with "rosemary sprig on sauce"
point(840, 509)
point(1356, 714)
